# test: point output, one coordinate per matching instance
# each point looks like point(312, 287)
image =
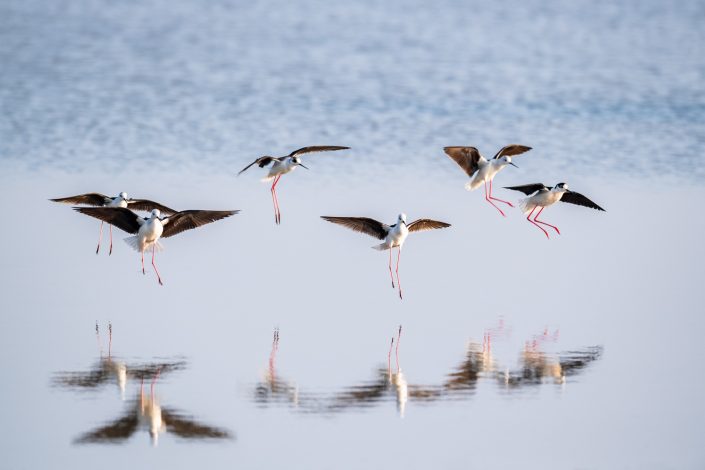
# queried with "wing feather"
point(186, 220)
point(528, 188)
point(89, 199)
point(261, 161)
point(512, 149)
point(122, 218)
point(577, 198)
point(465, 157)
point(317, 148)
point(147, 205)
point(364, 225)
point(425, 224)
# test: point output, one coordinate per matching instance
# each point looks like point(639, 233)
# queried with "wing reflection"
point(146, 413)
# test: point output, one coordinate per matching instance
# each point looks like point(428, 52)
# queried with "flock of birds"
point(165, 222)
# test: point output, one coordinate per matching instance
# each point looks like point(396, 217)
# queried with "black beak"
point(512, 163)
point(301, 164)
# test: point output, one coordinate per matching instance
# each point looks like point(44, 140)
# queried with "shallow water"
point(578, 352)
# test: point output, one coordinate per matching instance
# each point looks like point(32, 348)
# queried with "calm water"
point(280, 346)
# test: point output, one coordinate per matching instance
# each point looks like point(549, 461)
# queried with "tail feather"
point(381, 247)
point(473, 184)
point(134, 243)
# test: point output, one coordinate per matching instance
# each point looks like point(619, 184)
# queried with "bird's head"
point(123, 196)
point(402, 218)
point(561, 188)
point(297, 161)
point(507, 160)
point(156, 213)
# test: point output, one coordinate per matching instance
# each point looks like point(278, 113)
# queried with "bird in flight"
point(542, 196)
point(283, 165)
point(393, 235)
point(482, 170)
point(148, 230)
point(121, 200)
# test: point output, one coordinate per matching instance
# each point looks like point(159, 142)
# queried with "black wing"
point(466, 157)
point(361, 224)
point(89, 199)
point(261, 161)
point(186, 220)
point(425, 224)
point(528, 188)
point(577, 198)
point(122, 218)
point(512, 149)
point(187, 428)
point(114, 432)
point(317, 148)
point(147, 205)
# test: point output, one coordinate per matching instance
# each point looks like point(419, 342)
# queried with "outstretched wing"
point(89, 199)
point(577, 198)
point(317, 148)
point(528, 188)
point(187, 428)
point(118, 430)
point(261, 161)
point(147, 205)
point(466, 157)
point(365, 225)
point(186, 220)
point(425, 224)
point(122, 218)
point(512, 149)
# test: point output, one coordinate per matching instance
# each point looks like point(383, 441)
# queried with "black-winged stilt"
point(393, 235)
point(482, 170)
point(543, 196)
point(121, 200)
point(283, 165)
point(148, 230)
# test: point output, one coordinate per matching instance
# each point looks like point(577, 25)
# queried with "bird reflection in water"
point(111, 370)
point(535, 366)
point(388, 384)
point(142, 412)
point(145, 412)
point(273, 389)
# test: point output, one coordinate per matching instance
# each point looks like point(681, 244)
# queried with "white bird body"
point(281, 167)
point(543, 198)
point(488, 169)
point(149, 232)
point(396, 236)
point(402, 388)
point(119, 201)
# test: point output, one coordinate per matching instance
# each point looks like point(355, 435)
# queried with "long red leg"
point(500, 200)
point(390, 266)
point(398, 280)
point(277, 214)
point(143, 262)
point(154, 246)
point(389, 359)
point(111, 240)
point(100, 237)
point(528, 217)
point(487, 198)
point(397, 350)
point(536, 219)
